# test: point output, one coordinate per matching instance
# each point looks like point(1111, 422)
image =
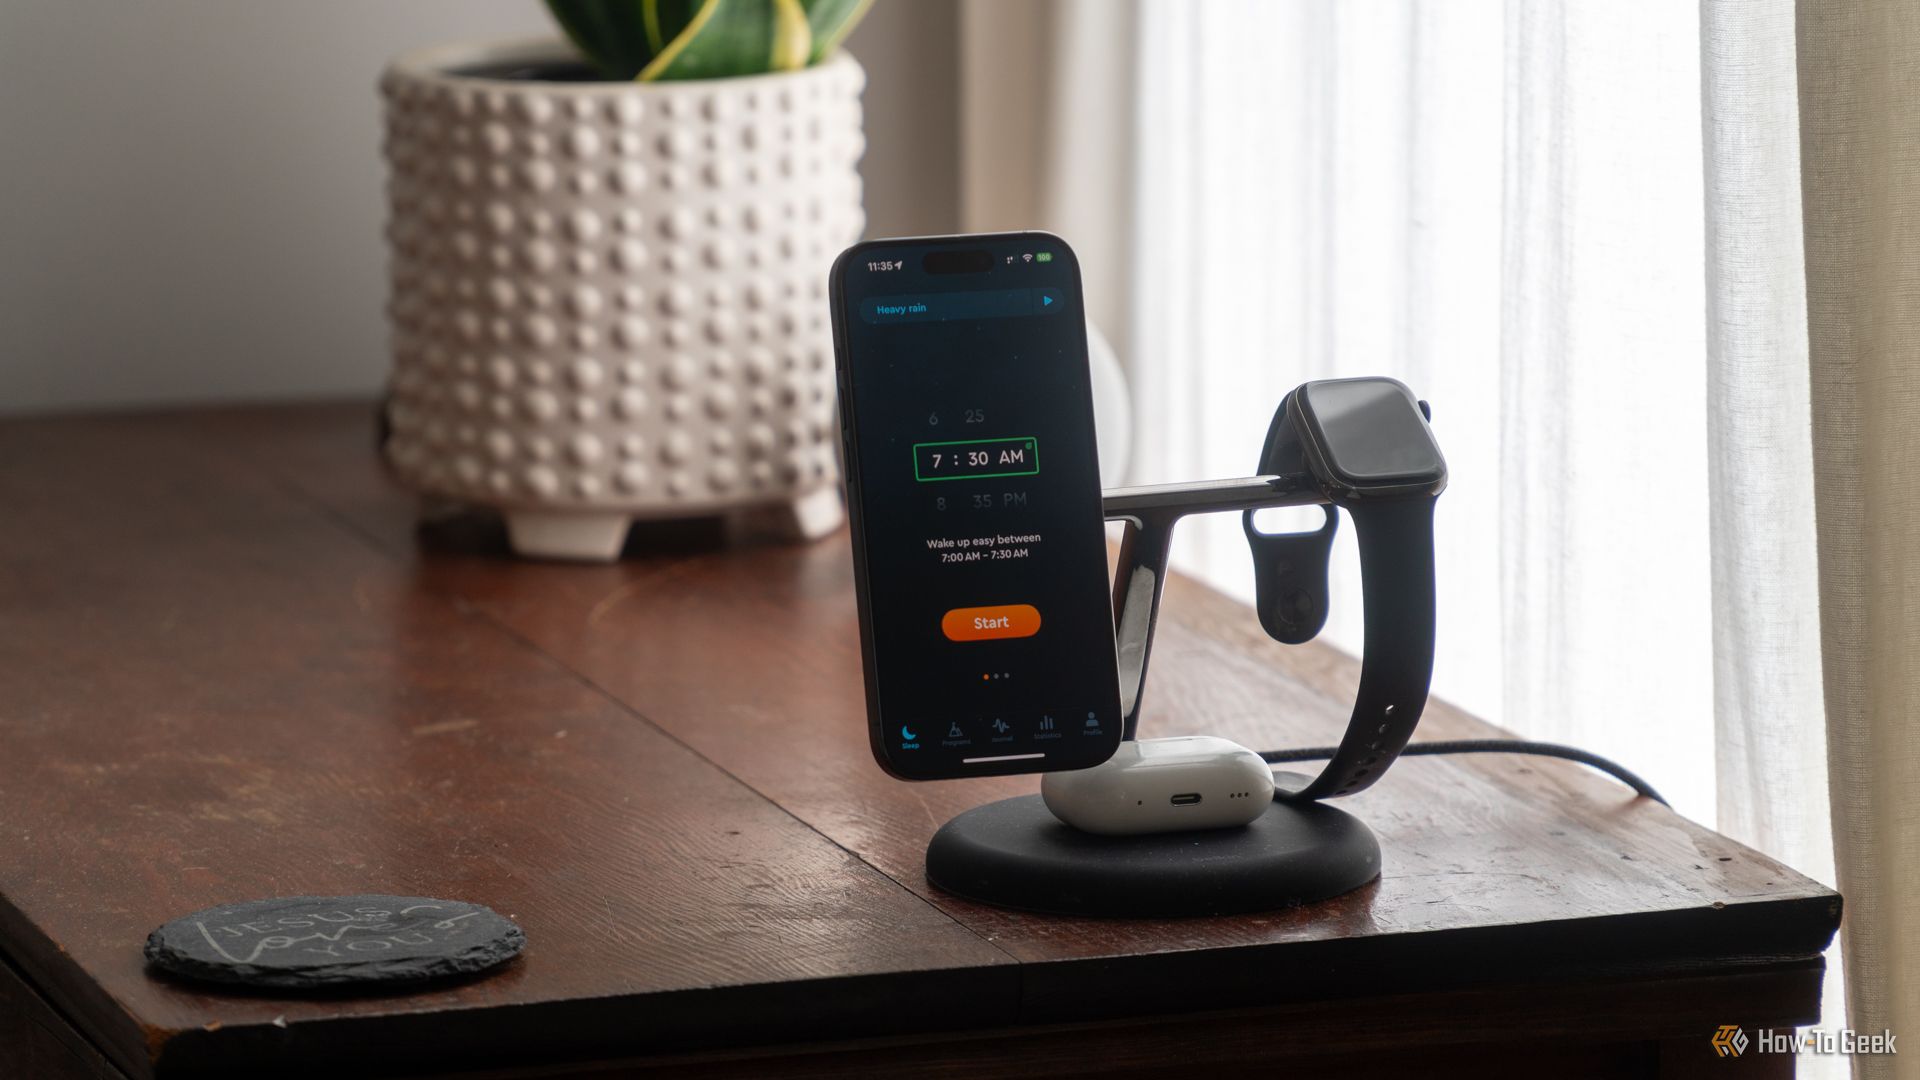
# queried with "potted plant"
point(609, 258)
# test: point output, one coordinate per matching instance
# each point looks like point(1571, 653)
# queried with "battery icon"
point(1045, 256)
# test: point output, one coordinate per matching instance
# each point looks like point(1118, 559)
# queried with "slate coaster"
point(313, 942)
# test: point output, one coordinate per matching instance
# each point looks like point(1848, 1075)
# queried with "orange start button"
point(986, 623)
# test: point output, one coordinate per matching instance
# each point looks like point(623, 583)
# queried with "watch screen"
point(975, 487)
point(1371, 431)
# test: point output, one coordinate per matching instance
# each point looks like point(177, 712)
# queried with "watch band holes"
point(1383, 729)
point(1389, 711)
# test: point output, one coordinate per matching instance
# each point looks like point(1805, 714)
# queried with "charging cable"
point(1488, 746)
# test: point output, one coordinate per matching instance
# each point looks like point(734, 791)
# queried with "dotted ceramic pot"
point(609, 298)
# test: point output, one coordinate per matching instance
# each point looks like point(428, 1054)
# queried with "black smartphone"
point(973, 484)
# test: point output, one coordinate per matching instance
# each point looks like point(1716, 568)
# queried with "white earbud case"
point(1163, 785)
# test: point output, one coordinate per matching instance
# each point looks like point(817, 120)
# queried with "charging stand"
point(1014, 853)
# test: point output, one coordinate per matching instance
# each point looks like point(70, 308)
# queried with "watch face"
point(1371, 434)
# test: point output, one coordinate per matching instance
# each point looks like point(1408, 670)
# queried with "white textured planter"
point(609, 298)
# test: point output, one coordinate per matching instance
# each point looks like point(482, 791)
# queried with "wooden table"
point(233, 666)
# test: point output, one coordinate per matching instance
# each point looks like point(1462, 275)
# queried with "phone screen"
point(974, 484)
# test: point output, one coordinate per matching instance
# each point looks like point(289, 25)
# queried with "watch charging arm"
point(1151, 512)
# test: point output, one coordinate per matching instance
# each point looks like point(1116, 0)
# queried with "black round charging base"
point(1016, 854)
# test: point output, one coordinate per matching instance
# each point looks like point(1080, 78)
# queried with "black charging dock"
point(1014, 853)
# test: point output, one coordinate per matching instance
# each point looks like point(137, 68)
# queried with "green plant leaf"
point(663, 20)
point(609, 32)
point(724, 37)
point(701, 39)
point(792, 37)
point(832, 21)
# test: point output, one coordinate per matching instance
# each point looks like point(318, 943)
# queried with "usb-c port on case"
point(1191, 798)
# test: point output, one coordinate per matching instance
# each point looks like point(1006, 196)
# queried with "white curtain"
point(1574, 227)
point(1769, 738)
point(1501, 207)
point(1859, 66)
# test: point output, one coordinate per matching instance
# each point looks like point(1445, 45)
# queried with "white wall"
point(191, 190)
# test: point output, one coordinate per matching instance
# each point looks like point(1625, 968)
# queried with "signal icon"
point(1029, 258)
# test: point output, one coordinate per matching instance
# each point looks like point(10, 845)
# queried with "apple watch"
point(1366, 447)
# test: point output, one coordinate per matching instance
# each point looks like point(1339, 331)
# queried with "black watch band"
point(1396, 565)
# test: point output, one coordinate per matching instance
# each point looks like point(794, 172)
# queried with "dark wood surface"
point(235, 665)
